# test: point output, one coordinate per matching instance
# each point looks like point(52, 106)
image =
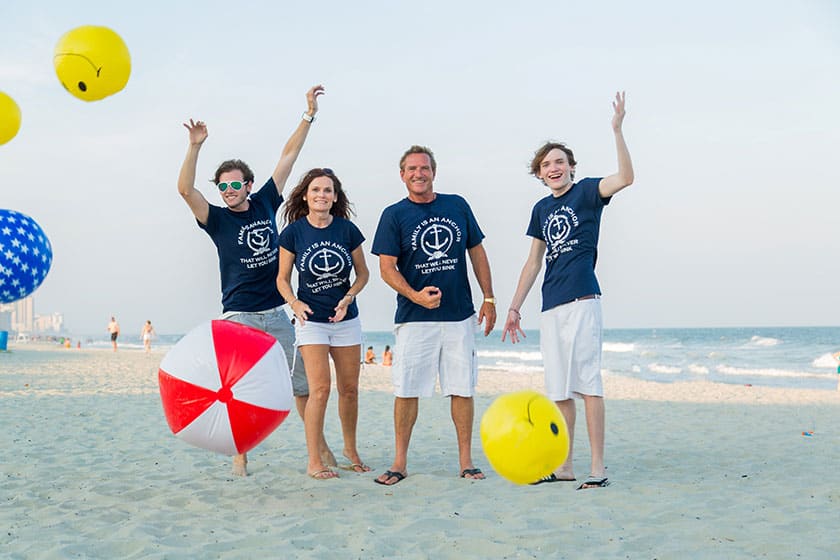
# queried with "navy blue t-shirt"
point(323, 260)
point(569, 225)
point(430, 242)
point(248, 251)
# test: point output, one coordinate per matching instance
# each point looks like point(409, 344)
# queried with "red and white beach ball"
point(225, 387)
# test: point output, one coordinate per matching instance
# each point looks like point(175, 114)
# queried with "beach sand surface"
point(90, 469)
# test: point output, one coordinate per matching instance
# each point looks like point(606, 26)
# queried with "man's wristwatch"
point(490, 300)
point(307, 117)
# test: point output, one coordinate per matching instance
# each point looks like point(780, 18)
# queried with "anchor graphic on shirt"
point(326, 263)
point(258, 240)
point(442, 242)
point(557, 230)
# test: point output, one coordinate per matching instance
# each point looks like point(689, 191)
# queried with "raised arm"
point(186, 178)
point(481, 268)
point(624, 177)
point(526, 279)
point(294, 144)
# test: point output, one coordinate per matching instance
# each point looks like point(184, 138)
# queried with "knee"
point(320, 393)
point(348, 391)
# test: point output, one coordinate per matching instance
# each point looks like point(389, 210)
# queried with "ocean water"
point(762, 356)
point(776, 357)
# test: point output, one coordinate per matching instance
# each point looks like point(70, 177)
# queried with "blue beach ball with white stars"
point(25, 255)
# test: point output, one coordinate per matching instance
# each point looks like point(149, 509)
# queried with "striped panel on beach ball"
point(225, 387)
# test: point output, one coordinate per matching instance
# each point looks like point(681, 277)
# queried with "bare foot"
point(240, 465)
point(566, 476)
point(327, 457)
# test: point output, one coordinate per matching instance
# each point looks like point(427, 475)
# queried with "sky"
point(733, 123)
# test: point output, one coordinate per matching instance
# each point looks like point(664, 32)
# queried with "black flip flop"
point(552, 478)
point(594, 483)
point(390, 474)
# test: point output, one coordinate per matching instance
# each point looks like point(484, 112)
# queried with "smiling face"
point(320, 194)
point(236, 200)
point(92, 62)
point(418, 176)
point(556, 171)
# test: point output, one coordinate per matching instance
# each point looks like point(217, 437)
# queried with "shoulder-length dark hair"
point(296, 207)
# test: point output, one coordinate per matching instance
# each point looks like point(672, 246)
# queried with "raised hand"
point(618, 107)
point(198, 132)
point(312, 99)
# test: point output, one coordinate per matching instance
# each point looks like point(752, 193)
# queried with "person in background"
point(146, 334)
point(387, 356)
point(564, 228)
point(836, 356)
point(114, 330)
point(370, 355)
point(245, 234)
point(324, 247)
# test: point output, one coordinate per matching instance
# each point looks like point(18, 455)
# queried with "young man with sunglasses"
point(246, 238)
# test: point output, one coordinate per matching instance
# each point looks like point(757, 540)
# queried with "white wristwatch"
point(307, 117)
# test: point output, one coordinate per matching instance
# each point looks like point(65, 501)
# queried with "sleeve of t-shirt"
point(386, 240)
point(269, 195)
point(286, 239)
point(534, 226)
point(356, 237)
point(593, 195)
point(212, 219)
point(474, 234)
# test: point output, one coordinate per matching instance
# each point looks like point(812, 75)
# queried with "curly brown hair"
point(296, 207)
point(231, 165)
point(543, 150)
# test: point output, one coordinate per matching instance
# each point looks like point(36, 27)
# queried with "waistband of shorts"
point(227, 314)
point(582, 298)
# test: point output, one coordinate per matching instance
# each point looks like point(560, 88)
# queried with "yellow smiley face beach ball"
point(9, 118)
point(92, 62)
point(524, 436)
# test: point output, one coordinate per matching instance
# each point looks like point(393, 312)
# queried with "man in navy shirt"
point(247, 242)
point(564, 227)
point(422, 242)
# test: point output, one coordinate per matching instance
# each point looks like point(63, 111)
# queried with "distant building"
point(19, 317)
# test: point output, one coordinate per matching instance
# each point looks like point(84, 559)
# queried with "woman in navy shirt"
point(324, 246)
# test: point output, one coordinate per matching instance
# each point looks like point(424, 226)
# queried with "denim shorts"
point(276, 323)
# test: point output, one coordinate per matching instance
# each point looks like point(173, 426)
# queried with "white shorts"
point(570, 340)
point(427, 351)
point(344, 333)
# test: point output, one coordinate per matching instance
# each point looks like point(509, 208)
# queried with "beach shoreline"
point(90, 469)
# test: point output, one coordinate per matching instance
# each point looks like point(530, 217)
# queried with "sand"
point(90, 469)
